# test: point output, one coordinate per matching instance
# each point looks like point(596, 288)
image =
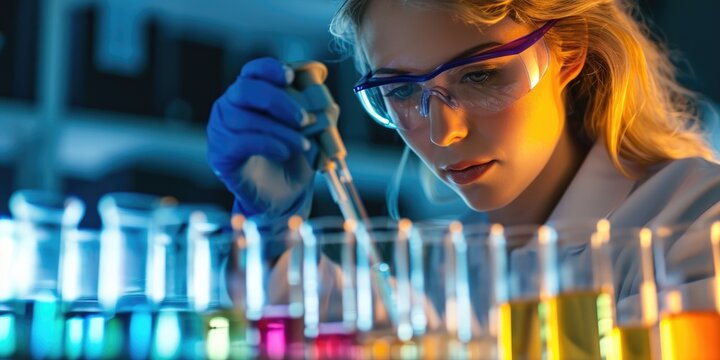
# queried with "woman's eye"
point(402, 92)
point(478, 77)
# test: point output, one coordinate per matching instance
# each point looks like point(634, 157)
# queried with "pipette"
point(322, 128)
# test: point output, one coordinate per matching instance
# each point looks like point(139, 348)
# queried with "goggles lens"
point(486, 86)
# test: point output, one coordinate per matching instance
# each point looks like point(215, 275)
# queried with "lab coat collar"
point(597, 189)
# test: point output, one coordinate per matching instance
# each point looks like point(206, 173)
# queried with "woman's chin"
point(484, 201)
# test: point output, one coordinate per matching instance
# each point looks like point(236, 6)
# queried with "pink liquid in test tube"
point(335, 342)
point(281, 336)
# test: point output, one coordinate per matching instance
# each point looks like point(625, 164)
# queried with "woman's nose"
point(447, 124)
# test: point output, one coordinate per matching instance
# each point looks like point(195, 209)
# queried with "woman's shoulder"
point(684, 172)
point(682, 190)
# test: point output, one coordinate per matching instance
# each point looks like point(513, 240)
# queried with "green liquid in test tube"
point(126, 269)
point(225, 327)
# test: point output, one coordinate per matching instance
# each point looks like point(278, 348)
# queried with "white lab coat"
point(675, 192)
point(680, 191)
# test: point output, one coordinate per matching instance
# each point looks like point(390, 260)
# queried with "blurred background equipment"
point(98, 96)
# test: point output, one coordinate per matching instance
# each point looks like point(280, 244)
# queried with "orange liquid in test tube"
point(387, 347)
point(690, 335)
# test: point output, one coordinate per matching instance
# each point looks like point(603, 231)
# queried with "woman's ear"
point(572, 65)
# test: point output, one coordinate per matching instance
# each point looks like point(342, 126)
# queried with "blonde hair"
point(627, 86)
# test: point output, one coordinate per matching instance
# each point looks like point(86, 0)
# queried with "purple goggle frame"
point(512, 48)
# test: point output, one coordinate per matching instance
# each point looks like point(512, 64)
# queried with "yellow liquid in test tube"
point(520, 328)
point(631, 342)
point(386, 347)
point(579, 326)
point(690, 335)
point(443, 346)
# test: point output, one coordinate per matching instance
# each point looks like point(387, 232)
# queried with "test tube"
point(384, 291)
point(7, 287)
point(43, 221)
point(181, 260)
point(515, 260)
point(84, 318)
point(474, 332)
point(579, 311)
point(126, 268)
point(687, 262)
point(628, 262)
point(269, 290)
point(427, 253)
point(7, 263)
point(225, 326)
point(329, 291)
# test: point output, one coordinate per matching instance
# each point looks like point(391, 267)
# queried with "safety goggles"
point(487, 82)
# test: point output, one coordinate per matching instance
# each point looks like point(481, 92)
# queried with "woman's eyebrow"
point(468, 52)
point(475, 50)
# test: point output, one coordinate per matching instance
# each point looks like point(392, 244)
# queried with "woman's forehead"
point(414, 40)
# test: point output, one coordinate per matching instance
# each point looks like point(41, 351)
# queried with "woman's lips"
point(466, 175)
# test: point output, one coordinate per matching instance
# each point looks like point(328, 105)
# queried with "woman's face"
point(488, 160)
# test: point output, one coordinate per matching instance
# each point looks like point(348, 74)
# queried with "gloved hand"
point(256, 148)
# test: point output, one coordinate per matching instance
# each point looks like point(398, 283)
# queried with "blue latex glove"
point(256, 148)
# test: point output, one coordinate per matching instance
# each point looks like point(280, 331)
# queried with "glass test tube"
point(8, 285)
point(126, 268)
point(43, 220)
point(476, 328)
point(330, 302)
point(687, 265)
point(579, 310)
point(430, 314)
point(384, 296)
point(271, 291)
point(84, 318)
point(627, 258)
point(226, 334)
point(516, 291)
point(181, 264)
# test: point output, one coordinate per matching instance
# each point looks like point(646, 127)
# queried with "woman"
point(587, 121)
point(532, 111)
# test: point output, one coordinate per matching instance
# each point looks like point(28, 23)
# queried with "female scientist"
point(530, 110)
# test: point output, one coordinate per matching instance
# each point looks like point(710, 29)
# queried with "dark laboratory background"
point(113, 95)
